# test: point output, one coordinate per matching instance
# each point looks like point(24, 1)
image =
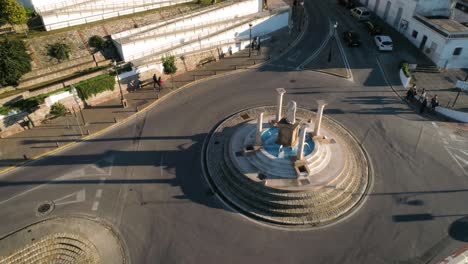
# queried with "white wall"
point(136, 45)
point(59, 14)
point(26, 3)
point(433, 7)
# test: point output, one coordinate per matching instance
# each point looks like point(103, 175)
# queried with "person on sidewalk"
point(434, 103)
point(259, 51)
point(423, 95)
point(411, 93)
point(423, 105)
point(155, 80)
point(160, 83)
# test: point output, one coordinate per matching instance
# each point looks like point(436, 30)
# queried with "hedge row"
point(30, 103)
point(95, 85)
point(405, 68)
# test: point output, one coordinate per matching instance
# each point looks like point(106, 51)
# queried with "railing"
point(174, 20)
point(188, 50)
point(102, 16)
point(86, 4)
point(208, 26)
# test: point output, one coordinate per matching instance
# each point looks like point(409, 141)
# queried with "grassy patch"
point(96, 85)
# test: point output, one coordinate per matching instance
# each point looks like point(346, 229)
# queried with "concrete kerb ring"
point(101, 222)
point(253, 218)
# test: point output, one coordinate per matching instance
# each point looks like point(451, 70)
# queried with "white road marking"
point(99, 193)
point(435, 124)
point(95, 206)
point(317, 52)
point(345, 59)
point(77, 197)
point(457, 155)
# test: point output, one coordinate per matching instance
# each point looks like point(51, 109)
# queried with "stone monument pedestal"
point(287, 133)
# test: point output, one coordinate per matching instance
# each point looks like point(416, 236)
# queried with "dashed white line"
point(95, 206)
point(99, 193)
point(345, 58)
point(435, 124)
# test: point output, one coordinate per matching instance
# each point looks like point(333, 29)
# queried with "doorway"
point(423, 42)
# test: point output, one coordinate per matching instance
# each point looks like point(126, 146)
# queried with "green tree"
point(60, 51)
point(14, 61)
point(13, 12)
point(97, 42)
point(169, 67)
point(58, 109)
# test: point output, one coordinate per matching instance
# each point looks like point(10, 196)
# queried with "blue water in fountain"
point(268, 138)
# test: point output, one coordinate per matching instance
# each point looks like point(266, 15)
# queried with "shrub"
point(13, 12)
point(97, 42)
point(405, 68)
point(14, 61)
point(60, 51)
point(96, 85)
point(58, 109)
point(169, 65)
point(30, 104)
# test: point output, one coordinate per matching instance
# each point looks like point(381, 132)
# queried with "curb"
point(123, 121)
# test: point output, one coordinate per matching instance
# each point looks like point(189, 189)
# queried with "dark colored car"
point(351, 38)
point(373, 28)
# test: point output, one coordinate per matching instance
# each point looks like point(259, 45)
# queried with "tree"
point(58, 109)
point(169, 66)
point(14, 61)
point(60, 51)
point(97, 42)
point(13, 12)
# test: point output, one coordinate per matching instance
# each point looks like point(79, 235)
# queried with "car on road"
point(383, 43)
point(373, 28)
point(351, 39)
point(361, 13)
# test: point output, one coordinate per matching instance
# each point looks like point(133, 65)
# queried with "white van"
point(361, 13)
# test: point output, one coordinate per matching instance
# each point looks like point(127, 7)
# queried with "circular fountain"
point(300, 170)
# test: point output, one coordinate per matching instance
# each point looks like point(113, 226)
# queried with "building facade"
point(437, 27)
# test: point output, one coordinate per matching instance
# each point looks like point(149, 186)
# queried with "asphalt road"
point(145, 177)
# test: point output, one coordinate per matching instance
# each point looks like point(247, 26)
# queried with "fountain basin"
point(269, 137)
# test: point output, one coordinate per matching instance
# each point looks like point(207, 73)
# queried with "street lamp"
point(114, 64)
point(301, 15)
point(331, 44)
point(250, 40)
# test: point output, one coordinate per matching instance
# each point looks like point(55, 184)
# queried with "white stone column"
point(302, 136)
point(281, 92)
point(318, 120)
point(258, 135)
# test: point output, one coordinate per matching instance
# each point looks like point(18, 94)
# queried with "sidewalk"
point(44, 139)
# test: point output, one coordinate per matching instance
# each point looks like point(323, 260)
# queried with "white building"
point(57, 14)
point(226, 26)
point(437, 27)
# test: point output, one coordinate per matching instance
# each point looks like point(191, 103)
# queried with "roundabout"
point(301, 171)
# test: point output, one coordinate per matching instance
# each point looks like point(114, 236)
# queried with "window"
point(457, 51)
point(414, 34)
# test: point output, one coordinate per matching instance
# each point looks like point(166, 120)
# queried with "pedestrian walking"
point(155, 80)
point(423, 105)
point(259, 51)
point(411, 93)
point(423, 95)
point(160, 83)
point(434, 103)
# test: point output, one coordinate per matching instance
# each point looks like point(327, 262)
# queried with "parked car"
point(347, 3)
point(361, 13)
point(351, 38)
point(384, 43)
point(373, 28)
